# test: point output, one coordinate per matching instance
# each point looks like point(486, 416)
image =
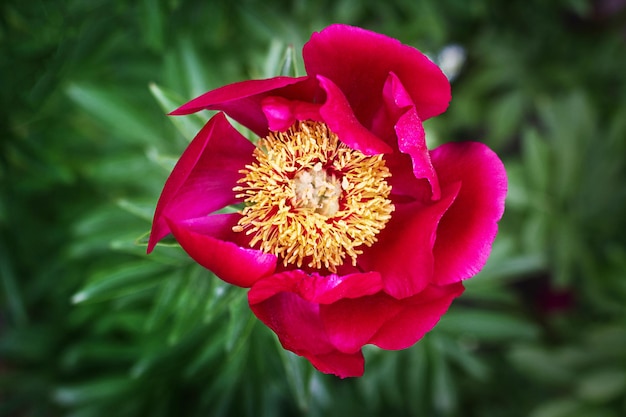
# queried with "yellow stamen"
point(310, 198)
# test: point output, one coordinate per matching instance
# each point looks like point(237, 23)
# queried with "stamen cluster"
point(311, 199)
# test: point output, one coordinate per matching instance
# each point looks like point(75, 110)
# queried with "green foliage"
point(91, 326)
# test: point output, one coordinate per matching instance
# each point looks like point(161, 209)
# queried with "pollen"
point(311, 200)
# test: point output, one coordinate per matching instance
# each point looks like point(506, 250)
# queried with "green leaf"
point(210, 354)
point(537, 163)
point(506, 115)
point(11, 290)
point(417, 387)
point(188, 125)
point(444, 391)
point(486, 326)
point(126, 279)
point(603, 385)
point(557, 408)
point(164, 161)
point(153, 24)
point(89, 392)
point(281, 60)
point(144, 212)
point(194, 72)
point(298, 373)
point(239, 327)
point(472, 363)
point(504, 264)
point(541, 365)
point(115, 111)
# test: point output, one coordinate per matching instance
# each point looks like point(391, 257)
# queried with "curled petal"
point(385, 321)
point(338, 115)
point(410, 132)
point(203, 179)
point(211, 242)
point(289, 303)
point(331, 330)
point(343, 365)
point(467, 230)
point(243, 100)
point(403, 254)
point(405, 188)
point(281, 113)
point(299, 328)
point(318, 289)
point(358, 62)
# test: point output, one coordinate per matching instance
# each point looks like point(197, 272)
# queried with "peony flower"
point(352, 232)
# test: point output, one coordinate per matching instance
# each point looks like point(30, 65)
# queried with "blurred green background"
point(91, 326)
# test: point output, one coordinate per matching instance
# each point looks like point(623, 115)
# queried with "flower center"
point(316, 190)
point(311, 199)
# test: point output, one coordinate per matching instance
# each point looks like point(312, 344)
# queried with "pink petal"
point(468, 228)
point(405, 188)
point(242, 100)
point(289, 304)
point(417, 316)
point(328, 289)
point(351, 323)
point(299, 328)
point(317, 288)
point(344, 365)
point(211, 242)
point(281, 113)
point(385, 321)
point(403, 254)
point(358, 62)
point(203, 179)
point(338, 115)
point(410, 132)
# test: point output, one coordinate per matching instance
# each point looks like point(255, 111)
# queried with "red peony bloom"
point(352, 231)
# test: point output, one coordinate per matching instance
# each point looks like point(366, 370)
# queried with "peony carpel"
point(350, 231)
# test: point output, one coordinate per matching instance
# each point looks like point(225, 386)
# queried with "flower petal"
point(242, 100)
point(403, 254)
point(410, 132)
point(289, 303)
point(358, 62)
point(203, 179)
point(211, 242)
point(317, 288)
point(385, 321)
point(416, 316)
point(344, 365)
point(338, 115)
point(467, 230)
point(281, 113)
point(405, 188)
point(299, 328)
